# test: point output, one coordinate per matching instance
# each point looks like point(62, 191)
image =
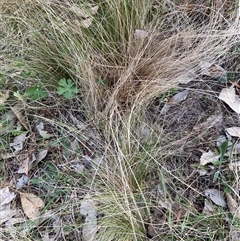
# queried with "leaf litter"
point(89, 211)
point(31, 205)
point(185, 116)
point(211, 132)
point(228, 95)
point(216, 196)
point(6, 212)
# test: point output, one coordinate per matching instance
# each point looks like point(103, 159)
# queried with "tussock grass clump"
point(122, 54)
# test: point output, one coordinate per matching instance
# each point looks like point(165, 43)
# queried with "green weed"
point(67, 88)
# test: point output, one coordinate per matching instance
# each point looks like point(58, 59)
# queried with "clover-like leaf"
point(67, 88)
point(35, 92)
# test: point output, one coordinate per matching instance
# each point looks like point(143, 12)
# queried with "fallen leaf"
point(22, 181)
point(17, 112)
point(80, 11)
point(41, 155)
point(26, 163)
point(9, 224)
point(3, 97)
point(216, 196)
point(89, 210)
point(6, 196)
point(232, 206)
point(208, 208)
point(45, 134)
point(212, 121)
point(26, 166)
point(140, 34)
point(6, 214)
point(212, 70)
point(18, 141)
point(229, 96)
point(202, 172)
point(42, 133)
point(176, 99)
point(179, 97)
point(209, 157)
point(186, 79)
point(233, 131)
point(31, 205)
point(85, 14)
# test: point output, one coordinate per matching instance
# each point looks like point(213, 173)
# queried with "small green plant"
point(36, 92)
point(67, 88)
point(232, 75)
point(219, 174)
point(4, 123)
point(101, 82)
point(165, 96)
point(33, 93)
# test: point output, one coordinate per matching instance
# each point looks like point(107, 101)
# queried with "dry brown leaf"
point(21, 182)
point(208, 157)
point(214, 120)
point(6, 214)
point(19, 141)
point(212, 70)
point(208, 208)
point(176, 99)
point(17, 111)
point(6, 196)
point(14, 220)
point(234, 165)
point(233, 131)
point(216, 196)
point(26, 166)
point(3, 97)
point(232, 206)
point(31, 205)
point(88, 209)
point(44, 134)
point(229, 96)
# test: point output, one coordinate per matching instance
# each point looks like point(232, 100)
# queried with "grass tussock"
point(121, 55)
point(99, 45)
